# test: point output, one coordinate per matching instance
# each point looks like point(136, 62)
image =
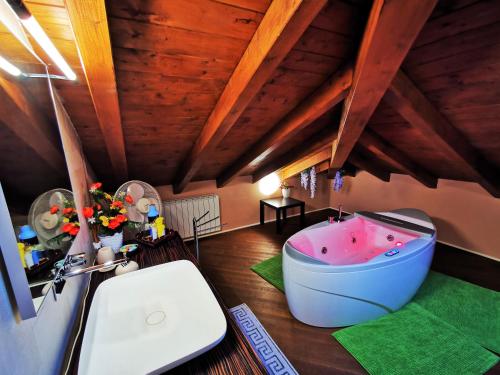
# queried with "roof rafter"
point(383, 150)
point(315, 159)
point(319, 102)
point(415, 108)
point(391, 29)
point(314, 143)
point(90, 27)
point(364, 159)
point(20, 114)
point(279, 30)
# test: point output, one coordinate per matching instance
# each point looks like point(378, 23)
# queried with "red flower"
point(95, 186)
point(74, 231)
point(113, 224)
point(129, 199)
point(98, 207)
point(88, 212)
point(117, 204)
point(68, 210)
point(66, 228)
point(54, 209)
point(121, 218)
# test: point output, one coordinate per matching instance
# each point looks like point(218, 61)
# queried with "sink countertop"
point(236, 353)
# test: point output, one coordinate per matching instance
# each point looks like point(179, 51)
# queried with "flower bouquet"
point(107, 216)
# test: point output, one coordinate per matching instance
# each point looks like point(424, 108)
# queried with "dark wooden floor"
point(227, 258)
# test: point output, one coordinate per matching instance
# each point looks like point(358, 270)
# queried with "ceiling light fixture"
point(31, 24)
point(36, 31)
point(9, 68)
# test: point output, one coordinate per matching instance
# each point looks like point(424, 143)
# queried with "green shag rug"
point(473, 310)
point(271, 271)
point(442, 331)
point(414, 341)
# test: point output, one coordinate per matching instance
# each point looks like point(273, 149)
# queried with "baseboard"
point(251, 225)
point(469, 250)
point(347, 212)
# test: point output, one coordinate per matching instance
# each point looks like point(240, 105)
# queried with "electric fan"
point(47, 225)
point(143, 196)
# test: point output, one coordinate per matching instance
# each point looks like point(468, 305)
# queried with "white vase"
point(115, 241)
point(286, 192)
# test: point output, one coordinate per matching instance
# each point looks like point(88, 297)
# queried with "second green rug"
point(464, 314)
point(474, 310)
point(414, 341)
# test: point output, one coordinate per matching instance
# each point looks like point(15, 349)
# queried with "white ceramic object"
point(105, 254)
point(115, 241)
point(163, 316)
point(286, 192)
point(122, 269)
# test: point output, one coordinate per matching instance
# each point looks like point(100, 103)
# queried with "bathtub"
point(350, 272)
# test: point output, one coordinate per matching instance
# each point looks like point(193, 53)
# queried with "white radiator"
point(179, 215)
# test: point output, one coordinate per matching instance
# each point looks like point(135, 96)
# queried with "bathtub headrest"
point(399, 220)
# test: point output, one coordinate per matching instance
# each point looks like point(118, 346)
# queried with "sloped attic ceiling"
point(173, 61)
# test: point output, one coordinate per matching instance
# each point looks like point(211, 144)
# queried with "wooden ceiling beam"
point(313, 144)
point(332, 92)
point(319, 158)
point(21, 115)
point(415, 108)
point(365, 160)
point(383, 150)
point(391, 29)
point(279, 30)
point(90, 27)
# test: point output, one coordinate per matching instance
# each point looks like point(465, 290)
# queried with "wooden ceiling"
point(212, 89)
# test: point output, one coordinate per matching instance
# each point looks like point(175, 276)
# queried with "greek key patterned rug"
point(273, 358)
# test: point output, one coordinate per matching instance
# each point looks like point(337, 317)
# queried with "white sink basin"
point(149, 321)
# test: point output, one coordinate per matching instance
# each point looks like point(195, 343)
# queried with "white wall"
point(37, 345)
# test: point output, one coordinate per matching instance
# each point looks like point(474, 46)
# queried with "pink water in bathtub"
point(353, 241)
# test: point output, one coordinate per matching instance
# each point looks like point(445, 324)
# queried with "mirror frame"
point(17, 281)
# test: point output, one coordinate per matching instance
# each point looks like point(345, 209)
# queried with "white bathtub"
point(360, 269)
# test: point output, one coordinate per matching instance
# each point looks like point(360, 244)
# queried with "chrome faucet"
point(339, 218)
point(76, 260)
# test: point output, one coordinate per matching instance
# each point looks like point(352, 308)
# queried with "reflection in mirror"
point(32, 167)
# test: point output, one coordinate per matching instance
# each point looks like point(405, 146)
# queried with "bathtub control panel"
point(392, 252)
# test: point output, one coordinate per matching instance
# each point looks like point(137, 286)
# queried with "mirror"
point(33, 172)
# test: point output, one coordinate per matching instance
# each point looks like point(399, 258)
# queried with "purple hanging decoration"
point(304, 179)
point(312, 178)
point(338, 181)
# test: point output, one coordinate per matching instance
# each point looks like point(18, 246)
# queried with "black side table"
point(280, 205)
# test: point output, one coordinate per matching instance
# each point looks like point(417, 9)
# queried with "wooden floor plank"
point(227, 258)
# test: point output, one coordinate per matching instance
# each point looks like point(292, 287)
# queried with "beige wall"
point(465, 215)
point(240, 199)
